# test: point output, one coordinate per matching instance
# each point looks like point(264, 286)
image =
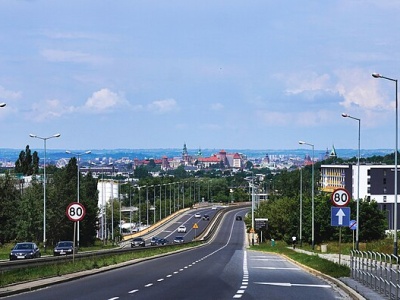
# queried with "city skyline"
point(214, 75)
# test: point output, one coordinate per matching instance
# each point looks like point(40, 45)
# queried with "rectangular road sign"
point(340, 216)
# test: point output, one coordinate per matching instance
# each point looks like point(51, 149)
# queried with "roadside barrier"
point(378, 271)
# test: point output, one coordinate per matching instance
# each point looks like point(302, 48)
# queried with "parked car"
point(197, 215)
point(181, 229)
point(138, 242)
point(154, 240)
point(64, 248)
point(206, 217)
point(25, 250)
point(179, 240)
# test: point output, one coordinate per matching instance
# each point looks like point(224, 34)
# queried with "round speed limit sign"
point(75, 211)
point(340, 197)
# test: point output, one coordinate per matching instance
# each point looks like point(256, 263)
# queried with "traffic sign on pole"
point(340, 216)
point(340, 197)
point(75, 211)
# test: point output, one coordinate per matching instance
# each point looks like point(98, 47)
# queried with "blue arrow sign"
point(340, 216)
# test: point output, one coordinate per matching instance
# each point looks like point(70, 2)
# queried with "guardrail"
point(378, 271)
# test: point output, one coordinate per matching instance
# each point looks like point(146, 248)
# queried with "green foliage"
point(26, 163)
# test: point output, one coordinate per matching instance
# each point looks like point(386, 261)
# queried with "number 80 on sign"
point(75, 211)
point(340, 197)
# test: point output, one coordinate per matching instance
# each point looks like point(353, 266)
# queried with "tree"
point(26, 163)
point(10, 200)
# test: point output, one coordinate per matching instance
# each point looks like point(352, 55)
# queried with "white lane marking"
point(148, 285)
point(168, 276)
point(245, 278)
point(275, 268)
point(288, 284)
point(161, 279)
point(133, 291)
point(114, 298)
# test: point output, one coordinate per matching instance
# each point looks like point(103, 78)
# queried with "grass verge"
point(93, 262)
point(313, 261)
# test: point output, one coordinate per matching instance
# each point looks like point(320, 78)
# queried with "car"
point(154, 240)
point(181, 229)
point(64, 248)
point(197, 215)
point(238, 218)
point(206, 217)
point(138, 242)
point(179, 240)
point(25, 250)
point(162, 241)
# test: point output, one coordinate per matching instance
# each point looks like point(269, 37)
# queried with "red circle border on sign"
point(348, 196)
point(83, 209)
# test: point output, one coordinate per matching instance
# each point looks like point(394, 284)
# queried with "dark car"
point(64, 248)
point(162, 242)
point(179, 240)
point(206, 217)
point(154, 240)
point(25, 250)
point(138, 242)
point(238, 218)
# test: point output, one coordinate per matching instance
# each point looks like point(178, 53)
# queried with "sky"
point(147, 74)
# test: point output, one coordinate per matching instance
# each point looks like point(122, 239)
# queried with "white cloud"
point(48, 110)
point(217, 106)
point(6, 94)
point(71, 56)
point(104, 100)
point(306, 82)
point(163, 106)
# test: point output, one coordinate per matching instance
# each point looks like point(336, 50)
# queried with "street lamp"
point(358, 178)
point(301, 208)
point(312, 193)
point(78, 163)
point(44, 180)
point(2, 104)
point(376, 75)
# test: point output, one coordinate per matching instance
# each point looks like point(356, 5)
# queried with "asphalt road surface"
point(223, 269)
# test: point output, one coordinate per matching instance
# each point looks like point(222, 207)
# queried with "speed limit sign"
point(340, 197)
point(75, 211)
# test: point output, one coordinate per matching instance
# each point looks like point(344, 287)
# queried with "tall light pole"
point(78, 163)
point(2, 104)
point(301, 208)
point(44, 181)
point(312, 193)
point(376, 75)
point(358, 178)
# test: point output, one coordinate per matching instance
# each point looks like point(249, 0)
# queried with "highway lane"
point(224, 269)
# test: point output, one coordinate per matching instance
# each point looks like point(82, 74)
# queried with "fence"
point(378, 271)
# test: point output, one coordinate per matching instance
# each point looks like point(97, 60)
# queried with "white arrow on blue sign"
point(340, 216)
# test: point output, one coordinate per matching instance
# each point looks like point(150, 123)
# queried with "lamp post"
point(44, 181)
point(312, 193)
point(2, 104)
point(358, 178)
point(376, 75)
point(301, 208)
point(78, 163)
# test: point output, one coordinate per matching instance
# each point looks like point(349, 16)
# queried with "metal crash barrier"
point(378, 271)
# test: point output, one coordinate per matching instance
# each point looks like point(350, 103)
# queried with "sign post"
point(75, 212)
point(340, 214)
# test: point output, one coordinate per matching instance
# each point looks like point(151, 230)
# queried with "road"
point(223, 269)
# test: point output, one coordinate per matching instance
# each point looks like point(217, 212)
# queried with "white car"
point(197, 215)
point(182, 228)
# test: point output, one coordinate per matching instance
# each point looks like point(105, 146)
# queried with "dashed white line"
point(148, 285)
point(133, 291)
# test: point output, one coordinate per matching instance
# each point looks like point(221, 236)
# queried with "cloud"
point(305, 82)
point(163, 106)
point(217, 106)
point(359, 89)
point(7, 95)
point(104, 100)
point(71, 56)
point(48, 110)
